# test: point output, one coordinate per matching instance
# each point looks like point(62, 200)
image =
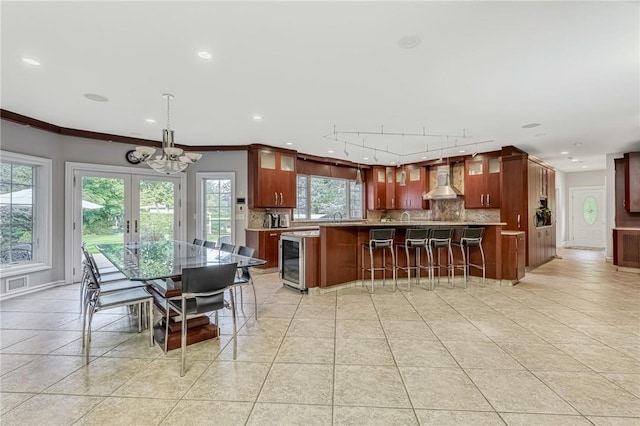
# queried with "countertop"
point(512, 232)
point(289, 229)
point(305, 234)
point(376, 224)
point(625, 229)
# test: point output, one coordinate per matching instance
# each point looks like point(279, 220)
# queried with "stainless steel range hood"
point(444, 190)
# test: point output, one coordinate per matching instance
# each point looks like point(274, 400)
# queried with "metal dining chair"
point(97, 301)
point(202, 291)
point(245, 278)
point(197, 242)
point(226, 247)
point(210, 244)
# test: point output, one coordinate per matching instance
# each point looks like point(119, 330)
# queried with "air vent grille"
point(17, 283)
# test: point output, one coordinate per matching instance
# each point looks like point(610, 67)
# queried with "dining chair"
point(197, 242)
point(107, 273)
point(244, 278)
point(97, 301)
point(210, 244)
point(226, 247)
point(110, 286)
point(202, 291)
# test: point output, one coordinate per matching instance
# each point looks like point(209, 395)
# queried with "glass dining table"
point(160, 265)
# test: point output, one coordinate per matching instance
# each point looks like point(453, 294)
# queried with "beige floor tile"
point(559, 333)
point(630, 350)
point(290, 414)
point(518, 391)
point(442, 388)
point(418, 330)
point(9, 362)
point(100, 320)
point(481, 355)
point(40, 374)
point(310, 350)
point(542, 356)
point(457, 330)
point(506, 331)
point(230, 381)
point(43, 343)
point(136, 347)
point(425, 353)
point(454, 418)
point(189, 413)
point(355, 312)
point(11, 337)
point(312, 328)
point(363, 329)
point(101, 343)
point(161, 379)
point(371, 416)
point(50, 410)
point(298, 383)
point(253, 349)
point(592, 394)
point(8, 401)
point(100, 377)
point(601, 358)
point(363, 352)
point(370, 386)
point(207, 350)
point(316, 312)
point(276, 310)
point(128, 411)
point(629, 382)
point(266, 327)
point(614, 421)
point(520, 419)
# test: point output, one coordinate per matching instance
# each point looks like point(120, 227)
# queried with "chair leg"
point(255, 298)
point(139, 317)
point(372, 272)
point(217, 326)
point(183, 337)
point(150, 315)
point(393, 269)
point(92, 310)
point(406, 250)
point(465, 259)
point(235, 327)
point(483, 265)
point(166, 328)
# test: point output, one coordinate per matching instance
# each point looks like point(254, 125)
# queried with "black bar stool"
point(441, 239)
point(379, 239)
point(471, 237)
point(415, 239)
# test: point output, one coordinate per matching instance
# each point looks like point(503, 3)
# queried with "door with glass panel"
point(118, 207)
point(218, 208)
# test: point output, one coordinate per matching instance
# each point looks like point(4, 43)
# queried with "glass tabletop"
point(149, 260)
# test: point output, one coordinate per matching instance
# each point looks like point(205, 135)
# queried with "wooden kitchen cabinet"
point(376, 188)
point(266, 245)
point(632, 182)
point(272, 178)
point(513, 255)
point(482, 182)
point(409, 196)
point(390, 198)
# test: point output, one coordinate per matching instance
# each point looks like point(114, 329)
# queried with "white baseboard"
point(22, 292)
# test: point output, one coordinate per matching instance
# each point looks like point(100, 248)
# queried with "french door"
point(120, 207)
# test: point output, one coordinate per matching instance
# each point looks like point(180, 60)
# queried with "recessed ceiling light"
point(30, 61)
point(288, 143)
point(424, 158)
point(574, 160)
point(203, 54)
point(564, 152)
point(330, 152)
point(94, 97)
point(577, 144)
point(537, 135)
point(150, 120)
point(256, 117)
point(462, 151)
point(393, 162)
point(365, 158)
point(530, 125)
point(409, 41)
point(584, 166)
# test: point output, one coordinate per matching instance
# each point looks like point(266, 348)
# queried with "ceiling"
point(480, 72)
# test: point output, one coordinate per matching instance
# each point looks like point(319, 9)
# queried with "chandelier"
point(171, 160)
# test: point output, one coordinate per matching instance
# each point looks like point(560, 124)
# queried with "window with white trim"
point(321, 197)
point(25, 213)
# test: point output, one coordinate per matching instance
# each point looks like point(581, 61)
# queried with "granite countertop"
point(289, 229)
point(306, 234)
point(626, 228)
point(411, 223)
point(512, 232)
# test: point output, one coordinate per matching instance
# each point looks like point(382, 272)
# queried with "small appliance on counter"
point(283, 220)
point(271, 220)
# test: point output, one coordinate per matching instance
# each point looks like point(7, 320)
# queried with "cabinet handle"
point(281, 202)
point(135, 226)
point(488, 200)
point(276, 194)
point(128, 226)
point(518, 221)
point(378, 202)
point(392, 203)
point(273, 235)
point(482, 200)
point(409, 203)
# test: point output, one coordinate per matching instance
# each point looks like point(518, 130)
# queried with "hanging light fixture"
point(403, 175)
point(358, 172)
point(171, 160)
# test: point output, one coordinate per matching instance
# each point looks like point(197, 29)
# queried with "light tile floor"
point(560, 348)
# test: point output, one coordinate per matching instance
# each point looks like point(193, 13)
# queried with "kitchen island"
point(340, 260)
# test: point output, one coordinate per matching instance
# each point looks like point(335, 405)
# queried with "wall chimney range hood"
point(444, 190)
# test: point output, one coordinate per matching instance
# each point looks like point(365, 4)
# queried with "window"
point(25, 213)
point(217, 212)
point(322, 197)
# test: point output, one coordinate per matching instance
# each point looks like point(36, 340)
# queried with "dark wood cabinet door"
point(267, 184)
point(376, 188)
point(272, 179)
point(287, 177)
point(390, 199)
point(474, 183)
point(632, 182)
point(492, 183)
point(271, 241)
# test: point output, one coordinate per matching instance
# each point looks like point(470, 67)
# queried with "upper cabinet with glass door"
point(272, 178)
point(482, 182)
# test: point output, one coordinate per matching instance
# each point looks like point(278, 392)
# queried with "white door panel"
point(587, 217)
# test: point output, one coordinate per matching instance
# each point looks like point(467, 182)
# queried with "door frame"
point(571, 212)
point(71, 209)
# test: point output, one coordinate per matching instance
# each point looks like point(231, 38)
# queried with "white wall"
point(561, 220)
point(27, 140)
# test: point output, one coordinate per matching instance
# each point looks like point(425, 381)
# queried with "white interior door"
point(587, 216)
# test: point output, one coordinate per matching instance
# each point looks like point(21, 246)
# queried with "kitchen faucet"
point(337, 213)
point(408, 216)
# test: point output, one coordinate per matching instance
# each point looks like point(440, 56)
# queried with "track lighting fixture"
point(346, 153)
point(375, 155)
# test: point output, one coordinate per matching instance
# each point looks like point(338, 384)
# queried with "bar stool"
point(415, 239)
point(379, 239)
point(471, 237)
point(441, 238)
